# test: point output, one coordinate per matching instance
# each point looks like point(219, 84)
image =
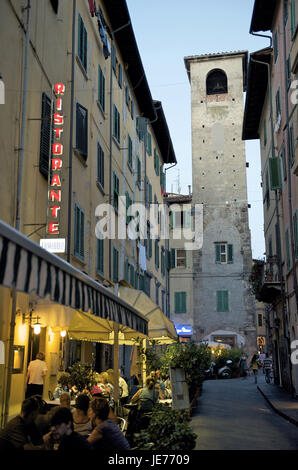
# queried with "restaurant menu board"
point(180, 396)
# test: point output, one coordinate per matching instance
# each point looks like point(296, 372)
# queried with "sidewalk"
point(281, 401)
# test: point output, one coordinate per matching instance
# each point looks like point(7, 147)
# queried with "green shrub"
point(168, 429)
point(220, 356)
point(82, 376)
point(192, 358)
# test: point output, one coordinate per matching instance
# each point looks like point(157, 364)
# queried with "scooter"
point(225, 372)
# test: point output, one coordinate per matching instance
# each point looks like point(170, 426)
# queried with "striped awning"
point(28, 268)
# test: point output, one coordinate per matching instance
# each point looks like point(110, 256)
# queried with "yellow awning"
point(160, 327)
point(87, 327)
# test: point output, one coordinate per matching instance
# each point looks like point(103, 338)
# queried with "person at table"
point(62, 431)
point(153, 375)
point(36, 373)
point(81, 421)
point(123, 387)
point(21, 431)
point(146, 396)
point(106, 435)
point(65, 400)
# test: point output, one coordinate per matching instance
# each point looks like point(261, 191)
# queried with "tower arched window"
point(216, 82)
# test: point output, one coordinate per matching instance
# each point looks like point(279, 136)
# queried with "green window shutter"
point(283, 162)
point(275, 45)
point(291, 146)
point(230, 254)
point(129, 158)
point(156, 254)
point(172, 219)
point(217, 253)
point(177, 302)
point(101, 88)
point(82, 227)
point(222, 301)
point(82, 43)
point(127, 270)
point(173, 258)
point(293, 18)
point(274, 169)
point(132, 276)
point(79, 229)
point(120, 75)
point(180, 302)
point(183, 302)
point(288, 250)
point(100, 165)
point(114, 59)
point(149, 144)
point(136, 285)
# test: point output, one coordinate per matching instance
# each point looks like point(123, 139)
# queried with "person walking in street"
point(243, 366)
point(124, 389)
point(267, 364)
point(255, 366)
point(36, 373)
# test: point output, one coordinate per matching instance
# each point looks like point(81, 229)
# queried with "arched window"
point(216, 82)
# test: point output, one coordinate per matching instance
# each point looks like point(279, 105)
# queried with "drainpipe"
point(282, 292)
point(71, 132)
point(18, 213)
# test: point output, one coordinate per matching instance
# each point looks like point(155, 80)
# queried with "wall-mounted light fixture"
point(63, 333)
point(29, 317)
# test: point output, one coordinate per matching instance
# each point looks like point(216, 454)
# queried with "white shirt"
point(124, 387)
point(35, 370)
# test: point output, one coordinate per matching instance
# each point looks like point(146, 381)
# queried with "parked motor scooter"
point(225, 372)
point(210, 373)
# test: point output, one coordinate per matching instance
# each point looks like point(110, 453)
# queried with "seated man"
point(21, 431)
point(62, 430)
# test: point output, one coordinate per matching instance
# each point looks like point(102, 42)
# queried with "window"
point(274, 168)
point(147, 285)
point(55, 4)
point(157, 294)
point(116, 124)
point(163, 301)
point(132, 275)
point(156, 162)
point(156, 254)
point(180, 302)
point(288, 72)
point(45, 135)
point(115, 265)
point(139, 172)
point(148, 242)
point(260, 319)
point(291, 146)
point(224, 253)
point(216, 82)
point(285, 5)
point(82, 43)
point(293, 18)
point(181, 219)
point(163, 261)
point(129, 152)
point(277, 104)
point(100, 256)
point(101, 88)
point(283, 162)
point(180, 261)
point(115, 191)
point(267, 192)
point(117, 68)
point(149, 144)
point(222, 300)
point(128, 204)
point(288, 250)
point(79, 222)
point(275, 45)
point(100, 165)
point(82, 130)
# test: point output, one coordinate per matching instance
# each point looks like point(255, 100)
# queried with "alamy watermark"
point(294, 94)
point(294, 355)
point(153, 221)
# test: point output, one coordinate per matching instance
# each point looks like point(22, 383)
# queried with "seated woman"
point(107, 434)
point(81, 421)
point(147, 396)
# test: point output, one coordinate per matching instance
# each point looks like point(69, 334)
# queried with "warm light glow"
point(63, 333)
point(36, 328)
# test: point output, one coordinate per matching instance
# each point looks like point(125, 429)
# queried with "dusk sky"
point(167, 31)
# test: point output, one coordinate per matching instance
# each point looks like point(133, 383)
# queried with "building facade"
point(110, 141)
point(271, 116)
point(224, 309)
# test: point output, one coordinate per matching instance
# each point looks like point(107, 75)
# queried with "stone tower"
point(224, 309)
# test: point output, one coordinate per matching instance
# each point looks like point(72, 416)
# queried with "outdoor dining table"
point(56, 402)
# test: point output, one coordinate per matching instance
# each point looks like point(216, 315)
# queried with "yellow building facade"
point(115, 142)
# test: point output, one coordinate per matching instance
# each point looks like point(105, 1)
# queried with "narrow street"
point(233, 415)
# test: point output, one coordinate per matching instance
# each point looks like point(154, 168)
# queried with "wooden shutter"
point(100, 255)
point(45, 135)
point(217, 253)
point(173, 258)
point(177, 302)
point(101, 88)
point(274, 168)
point(183, 302)
point(230, 254)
